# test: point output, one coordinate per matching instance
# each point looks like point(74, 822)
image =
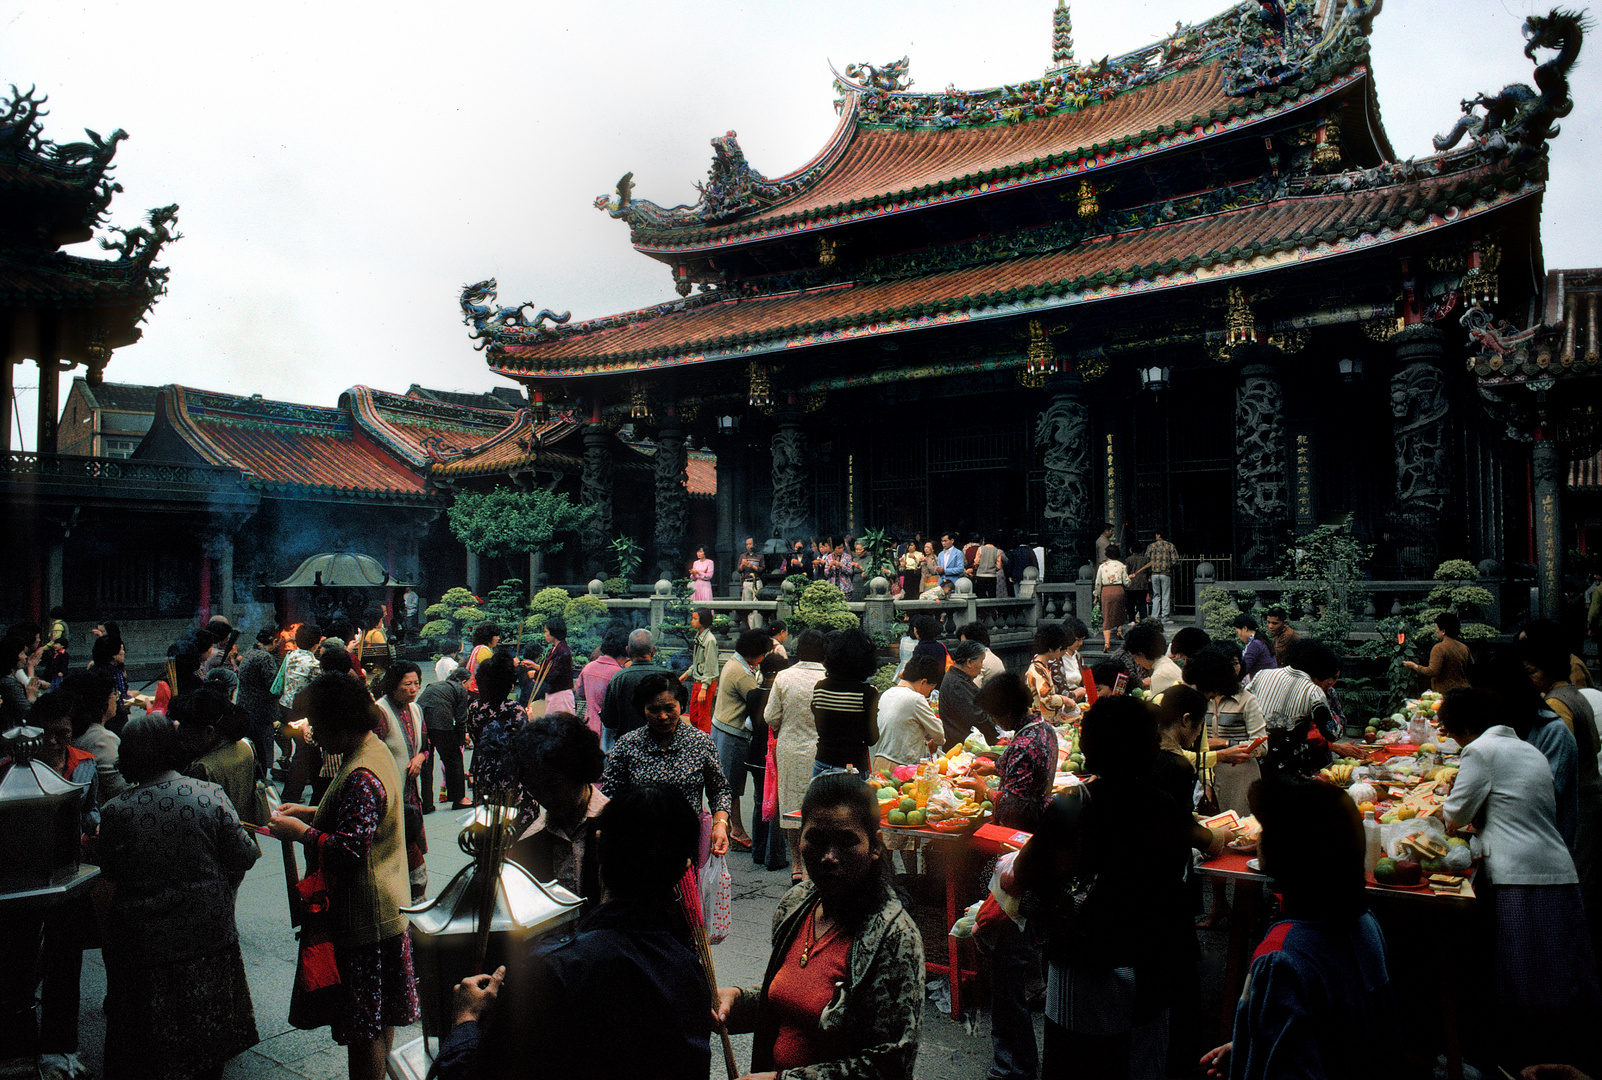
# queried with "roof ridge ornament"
point(1519, 120)
point(1279, 41)
point(490, 322)
point(732, 188)
point(1062, 39)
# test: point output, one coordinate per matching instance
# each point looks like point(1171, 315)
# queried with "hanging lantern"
point(1351, 369)
point(540, 411)
point(760, 395)
point(1327, 148)
point(1041, 355)
point(1480, 281)
point(1089, 207)
point(639, 404)
point(1154, 378)
point(1240, 325)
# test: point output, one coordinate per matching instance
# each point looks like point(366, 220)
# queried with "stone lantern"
point(445, 937)
point(39, 827)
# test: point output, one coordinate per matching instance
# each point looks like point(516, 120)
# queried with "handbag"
point(277, 688)
point(318, 986)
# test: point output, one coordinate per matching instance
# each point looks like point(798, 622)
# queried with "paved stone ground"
point(950, 1050)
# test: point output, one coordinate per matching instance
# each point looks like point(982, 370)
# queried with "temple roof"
point(504, 399)
point(285, 447)
point(1335, 216)
point(896, 151)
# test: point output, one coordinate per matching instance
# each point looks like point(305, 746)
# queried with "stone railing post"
point(878, 610)
point(785, 606)
point(1205, 576)
point(963, 594)
point(1085, 593)
point(660, 595)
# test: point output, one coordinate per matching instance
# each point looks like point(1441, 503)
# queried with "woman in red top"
point(843, 995)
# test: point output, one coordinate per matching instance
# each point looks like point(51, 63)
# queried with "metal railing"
point(19, 466)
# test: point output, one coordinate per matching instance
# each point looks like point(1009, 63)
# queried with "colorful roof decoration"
point(57, 194)
point(422, 432)
point(896, 151)
point(1042, 270)
point(288, 448)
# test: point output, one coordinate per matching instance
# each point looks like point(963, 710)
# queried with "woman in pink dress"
point(701, 576)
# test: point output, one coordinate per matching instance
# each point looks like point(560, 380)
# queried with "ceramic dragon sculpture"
point(1520, 119)
point(479, 311)
point(141, 245)
point(888, 78)
point(732, 187)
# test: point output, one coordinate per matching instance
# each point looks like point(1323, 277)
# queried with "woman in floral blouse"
point(1026, 769)
point(492, 720)
point(355, 840)
point(668, 750)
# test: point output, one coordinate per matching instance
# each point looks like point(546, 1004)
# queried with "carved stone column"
point(672, 503)
point(1423, 462)
point(1547, 475)
point(792, 503)
point(596, 491)
point(1262, 489)
point(1062, 431)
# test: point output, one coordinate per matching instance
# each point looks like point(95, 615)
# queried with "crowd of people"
point(624, 772)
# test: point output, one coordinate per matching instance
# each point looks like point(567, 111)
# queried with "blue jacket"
point(623, 997)
point(1317, 1003)
point(1554, 739)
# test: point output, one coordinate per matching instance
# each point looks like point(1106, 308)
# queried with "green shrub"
point(884, 678)
point(1456, 570)
point(617, 586)
point(823, 607)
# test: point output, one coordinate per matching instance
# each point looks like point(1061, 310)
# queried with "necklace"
point(813, 942)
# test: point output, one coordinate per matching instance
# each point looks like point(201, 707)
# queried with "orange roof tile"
point(287, 446)
point(1202, 249)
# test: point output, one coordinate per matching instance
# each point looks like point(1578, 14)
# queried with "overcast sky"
point(343, 168)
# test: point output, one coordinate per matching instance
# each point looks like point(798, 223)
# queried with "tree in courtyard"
point(503, 522)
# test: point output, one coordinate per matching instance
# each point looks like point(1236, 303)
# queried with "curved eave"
point(466, 468)
point(1294, 248)
point(1143, 146)
point(334, 493)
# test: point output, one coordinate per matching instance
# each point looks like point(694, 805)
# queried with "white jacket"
point(1504, 787)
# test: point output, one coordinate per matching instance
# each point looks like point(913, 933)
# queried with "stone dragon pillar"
point(1262, 487)
point(596, 491)
point(1062, 431)
point(672, 503)
point(791, 500)
point(1419, 410)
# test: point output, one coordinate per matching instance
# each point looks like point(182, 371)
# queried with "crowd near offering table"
point(957, 845)
point(1405, 915)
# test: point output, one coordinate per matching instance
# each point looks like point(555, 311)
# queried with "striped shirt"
point(847, 716)
point(1287, 697)
point(1236, 718)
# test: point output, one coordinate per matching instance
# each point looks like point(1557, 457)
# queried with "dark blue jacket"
point(1317, 1002)
point(623, 997)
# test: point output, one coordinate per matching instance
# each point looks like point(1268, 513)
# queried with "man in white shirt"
point(909, 728)
point(447, 663)
point(1171, 668)
point(991, 663)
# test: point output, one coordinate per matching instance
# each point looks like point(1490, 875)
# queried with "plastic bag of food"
point(1392, 835)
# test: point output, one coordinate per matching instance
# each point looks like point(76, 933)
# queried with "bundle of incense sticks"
point(690, 905)
point(489, 856)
